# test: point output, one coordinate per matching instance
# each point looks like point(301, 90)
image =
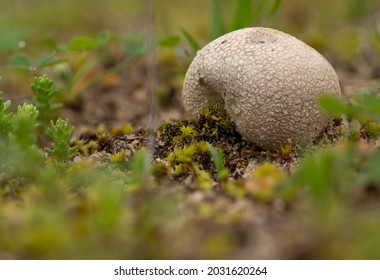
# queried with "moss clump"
point(118, 157)
point(183, 143)
point(212, 125)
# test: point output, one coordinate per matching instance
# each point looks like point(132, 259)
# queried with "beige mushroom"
point(268, 83)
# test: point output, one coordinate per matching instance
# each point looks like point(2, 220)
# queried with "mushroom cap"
point(267, 81)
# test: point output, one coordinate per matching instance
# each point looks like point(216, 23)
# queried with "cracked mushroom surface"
point(267, 81)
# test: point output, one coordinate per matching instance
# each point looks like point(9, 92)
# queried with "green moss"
point(92, 147)
point(214, 123)
point(186, 133)
point(203, 179)
point(118, 157)
point(264, 182)
point(369, 128)
point(121, 131)
point(286, 153)
point(159, 170)
point(235, 189)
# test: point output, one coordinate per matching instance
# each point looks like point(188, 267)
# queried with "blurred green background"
point(321, 23)
point(346, 31)
point(80, 218)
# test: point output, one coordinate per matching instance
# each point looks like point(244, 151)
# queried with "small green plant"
point(203, 179)
point(118, 157)
point(263, 183)
point(218, 157)
point(235, 189)
point(75, 62)
point(61, 133)
point(91, 147)
point(44, 92)
point(363, 109)
point(182, 155)
point(139, 178)
point(5, 117)
point(183, 160)
point(369, 128)
point(21, 155)
point(363, 105)
point(214, 122)
point(353, 158)
point(330, 176)
point(24, 125)
point(187, 133)
point(285, 153)
point(85, 51)
point(24, 63)
point(245, 14)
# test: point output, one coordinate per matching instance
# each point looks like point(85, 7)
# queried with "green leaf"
point(10, 39)
point(134, 44)
point(371, 103)
point(217, 156)
point(315, 176)
point(243, 14)
point(102, 39)
point(5, 117)
point(191, 40)
point(78, 44)
point(170, 42)
point(217, 24)
point(47, 60)
point(20, 62)
point(136, 180)
point(333, 106)
point(259, 9)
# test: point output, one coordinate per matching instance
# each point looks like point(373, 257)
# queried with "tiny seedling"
point(21, 154)
point(24, 125)
point(137, 180)
point(44, 92)
point(61, 133)
point(5, 116)
point(218, 157)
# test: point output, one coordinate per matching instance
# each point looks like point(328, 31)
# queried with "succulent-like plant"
point(61, 133)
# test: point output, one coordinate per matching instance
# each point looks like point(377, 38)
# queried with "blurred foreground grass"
point(107, 207)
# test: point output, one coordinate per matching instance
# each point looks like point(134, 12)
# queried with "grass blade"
point(169, 42)
point(258, 10)
point(217, 24)
point(243, 14)
point(274, 9)
point(191, 40)
point(217, 156)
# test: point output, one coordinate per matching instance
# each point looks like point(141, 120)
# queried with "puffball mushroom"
point(267, 81)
